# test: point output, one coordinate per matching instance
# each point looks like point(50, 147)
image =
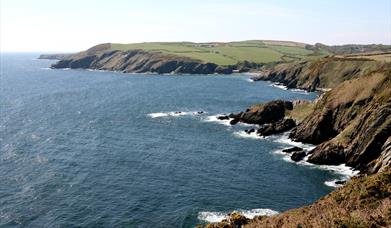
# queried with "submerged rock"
point(234, 121)
point(298, 156)
point(224, 117)
point(249, 131)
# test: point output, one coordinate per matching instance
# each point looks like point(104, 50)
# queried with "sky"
point(75, 25)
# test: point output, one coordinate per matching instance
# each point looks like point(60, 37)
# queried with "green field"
point(229, 53)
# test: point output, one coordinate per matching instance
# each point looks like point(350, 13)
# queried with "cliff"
point(136, 61)
point(102, 57)
point(350, 124)
point(320, 73)
point(54, 56)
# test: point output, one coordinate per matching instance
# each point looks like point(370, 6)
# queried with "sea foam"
point(279, 86)
point(214, 119)
point(172, 114)
point(214, 217)
point(243, 134)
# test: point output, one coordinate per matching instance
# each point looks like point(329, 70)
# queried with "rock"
point(327, 154)
point(277, 127)
point(265, 113)
point(224, 70)
point(178, 112)
point(200, 112)
point(237, 220)
point(384, 160)
point(223, 117)
point(232, 115)
point(298, 156)
point(292, 149)
point(249, 131)
point(234, 121)
point(340, 182)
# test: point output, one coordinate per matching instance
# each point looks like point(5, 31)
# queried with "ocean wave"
point(333, 183)
point(279, 86)
point(343, 170)
point(243, 134)
point(173, 114)
point(284, 139)
point(301, 91)
point(215, 120)
point(214, 217)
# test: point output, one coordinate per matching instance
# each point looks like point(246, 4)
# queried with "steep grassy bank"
point(362, 202)
point(320, 73)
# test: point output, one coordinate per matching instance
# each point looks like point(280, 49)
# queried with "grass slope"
point(229, 53)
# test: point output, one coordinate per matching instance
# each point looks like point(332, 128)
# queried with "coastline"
point(325, 155)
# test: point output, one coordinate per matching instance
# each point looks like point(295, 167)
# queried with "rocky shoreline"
point(349, 124)
point(101, 57)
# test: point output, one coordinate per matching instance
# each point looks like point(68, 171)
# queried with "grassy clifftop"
point(230, 53)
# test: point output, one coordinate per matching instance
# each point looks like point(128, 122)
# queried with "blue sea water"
point(105, 149)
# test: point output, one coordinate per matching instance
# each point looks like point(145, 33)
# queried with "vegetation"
point(230, 53)
point(363, 202)
point(300, 111)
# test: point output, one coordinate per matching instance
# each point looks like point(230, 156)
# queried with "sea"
point(82, 148)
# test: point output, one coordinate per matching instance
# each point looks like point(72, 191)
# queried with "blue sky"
point(74, 25)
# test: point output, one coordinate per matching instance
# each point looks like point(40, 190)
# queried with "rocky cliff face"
point(351, 123)
point(321, 73)
point(136, 61)
point(54, 56)
point(101, 57)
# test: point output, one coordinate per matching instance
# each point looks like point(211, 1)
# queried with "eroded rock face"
point(384, 160)
point(264, 113)
point(351, 124)
point(277, 127)
point(327, 154)
point(136, 61)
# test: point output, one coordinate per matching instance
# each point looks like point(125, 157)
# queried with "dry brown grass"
point(356, 89)
point(362, 202)
point(300, 111)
